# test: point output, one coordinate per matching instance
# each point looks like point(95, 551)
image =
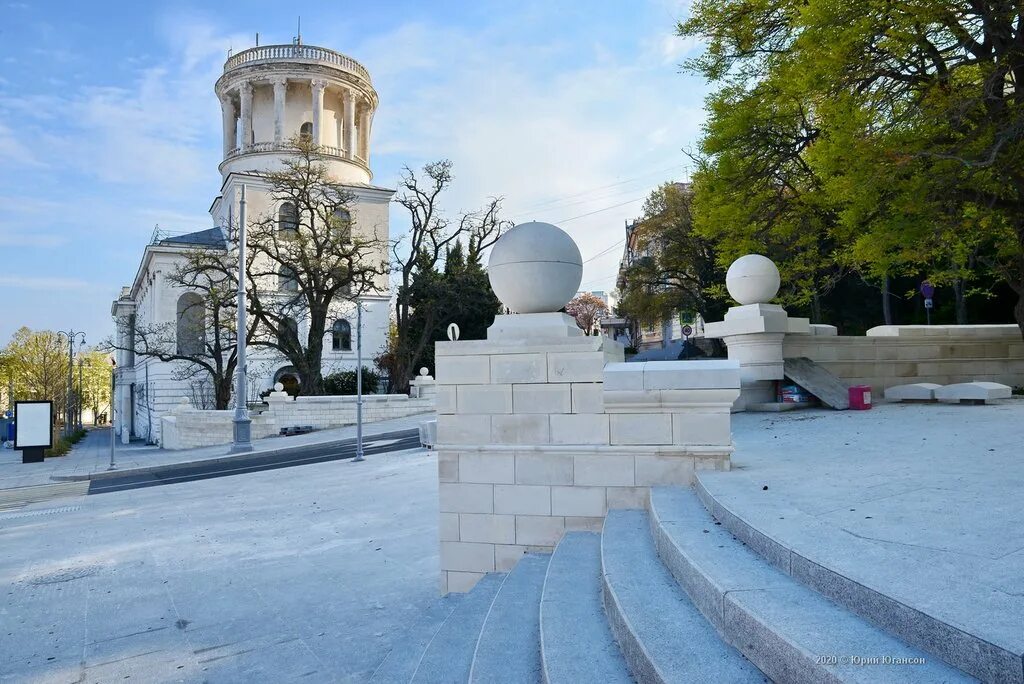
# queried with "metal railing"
point(312, 53)
point(325, 150)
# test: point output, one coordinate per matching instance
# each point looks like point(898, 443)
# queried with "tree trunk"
point(222, 393)
point(1018, 309)
point(959, 291)
point(886, 304)
point(816, 308)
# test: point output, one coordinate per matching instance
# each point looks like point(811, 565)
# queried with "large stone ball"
point(535, 268)
point(752, 279)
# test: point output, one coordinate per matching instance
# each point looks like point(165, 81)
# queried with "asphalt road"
point(334, 451)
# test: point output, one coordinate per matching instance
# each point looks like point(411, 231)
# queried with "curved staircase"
point(673, 594)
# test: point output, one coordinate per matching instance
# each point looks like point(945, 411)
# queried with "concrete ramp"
point(828, 388)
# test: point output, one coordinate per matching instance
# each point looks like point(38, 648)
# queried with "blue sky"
point(571, 111)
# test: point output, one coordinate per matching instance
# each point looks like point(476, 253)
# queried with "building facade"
point(269, 95)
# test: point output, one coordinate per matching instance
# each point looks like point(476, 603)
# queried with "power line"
point(605, 251)
point(598, 211)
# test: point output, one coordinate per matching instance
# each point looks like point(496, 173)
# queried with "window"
point(306, 131)
point(288, 220)
point(341, 335)
point(288, 332)
point(191, 331)
point(287, 281)
point(342, 223)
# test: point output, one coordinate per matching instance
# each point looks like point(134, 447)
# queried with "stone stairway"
point(662, 595)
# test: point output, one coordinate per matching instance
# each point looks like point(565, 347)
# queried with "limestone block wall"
point(896, 355)
point(186, 428)
point(538, 438)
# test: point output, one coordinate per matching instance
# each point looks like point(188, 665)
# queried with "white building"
point(268, 94)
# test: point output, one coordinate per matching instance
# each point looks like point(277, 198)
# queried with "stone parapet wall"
point(186, 428)
point(897, 355)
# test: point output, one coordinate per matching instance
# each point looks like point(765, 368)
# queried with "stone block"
point(578, 501)
point(702, 427)
point(603, 470)
point(524, 429)
point(539, 530)
point(487, 467)
point(626, 377)
point(518, 368)
point(461, 582)
point(522, 499)
point(447, 466)
point(655, 469)
point(584, 524)
point(488, 399)
point(507, 555)
point(541, 398)
point(641, 428)
point(490, 529)
point(463, 370)
point(917, 391)
point(543, 468)
point(587, 397)
point(448, 526)
point(458, 497)
point(627, 497)
point(675, 375)
point(464, 429)
point(467, 557)
point(575, 366)
point(973, 392)
point(579, 428)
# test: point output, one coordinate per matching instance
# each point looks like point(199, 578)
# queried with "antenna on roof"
point(257, 39)
point(298, 38)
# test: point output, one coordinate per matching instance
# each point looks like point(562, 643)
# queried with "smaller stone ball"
point(424, 371)
point(753, 279)
point(278, 387)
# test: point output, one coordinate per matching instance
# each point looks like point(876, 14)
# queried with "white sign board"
point(33, 424)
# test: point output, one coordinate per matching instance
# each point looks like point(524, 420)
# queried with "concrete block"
point(584, 524)
point(448, 526)
point(973, 392)
point(487, 467)
point(702, 427)
point(641, 428)
point(490, 529)
point(522, 499)
point(603, 470)
point(461, 582)
point(463, 370)
point(507, 555)
point(575, 366)
point(488, 399)
point(447, 466)
point(543, 468)
point(627, 497)
point(524, 429)
point(587, 397)
point(625, 377)
point(579, 428)
point(466, 557)
point(539, 530)
point(654, 469)
point(517, 368)
point(711, 374)
point(578, 501)
point(464, 429)
point(541, 398)
point(457, 497)
point(917, 391)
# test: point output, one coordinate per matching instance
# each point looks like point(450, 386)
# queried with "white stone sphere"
point(278, 387)
point(753, 279)
point(535, 268)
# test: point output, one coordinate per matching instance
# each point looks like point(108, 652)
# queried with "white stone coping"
point(474, 347)
point(994, 330)
point(694, 450)
point(973, 391)
point(672, 375)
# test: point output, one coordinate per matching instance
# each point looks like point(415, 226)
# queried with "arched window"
point(288, 220)
point(191, 336)
point(341, 335)
point(288, 332)
point(306, 131)
point(287, 281)
point(342, 223)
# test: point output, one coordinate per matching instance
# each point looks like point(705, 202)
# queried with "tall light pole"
point(71, 335)
point(80, 390)
point(113, 386)
point(359, 383)
point(242, 423)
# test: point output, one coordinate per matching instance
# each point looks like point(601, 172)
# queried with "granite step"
point(401, 661)
point(576, 642)
point(662, 635)
point(449, 655)
point(508, 649)
point(792, 633)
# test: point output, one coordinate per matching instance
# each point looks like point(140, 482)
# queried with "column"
point(317, 86)
point(350, 124)
point(227, 108)
point(364, 134)
point(280, 88)
point(245, 140)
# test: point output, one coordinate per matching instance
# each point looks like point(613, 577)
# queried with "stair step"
point(508, 649)
point(449, 655)
point(792, 633)
point(663, 637)
point(400, 663)
point(576, 643)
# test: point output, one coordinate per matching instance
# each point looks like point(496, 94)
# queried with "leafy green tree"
point(36, 363)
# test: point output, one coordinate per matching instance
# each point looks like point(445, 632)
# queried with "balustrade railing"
point(326, 150)
point(265, 53)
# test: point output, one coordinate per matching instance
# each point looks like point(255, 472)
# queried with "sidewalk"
point(91, 456)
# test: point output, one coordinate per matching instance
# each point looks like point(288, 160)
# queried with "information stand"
point(33, 429)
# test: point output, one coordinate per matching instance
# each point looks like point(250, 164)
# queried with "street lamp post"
point(113, 383)
point(242, 423)
point(71, 335)
point(359, 383)
point(80, 390)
